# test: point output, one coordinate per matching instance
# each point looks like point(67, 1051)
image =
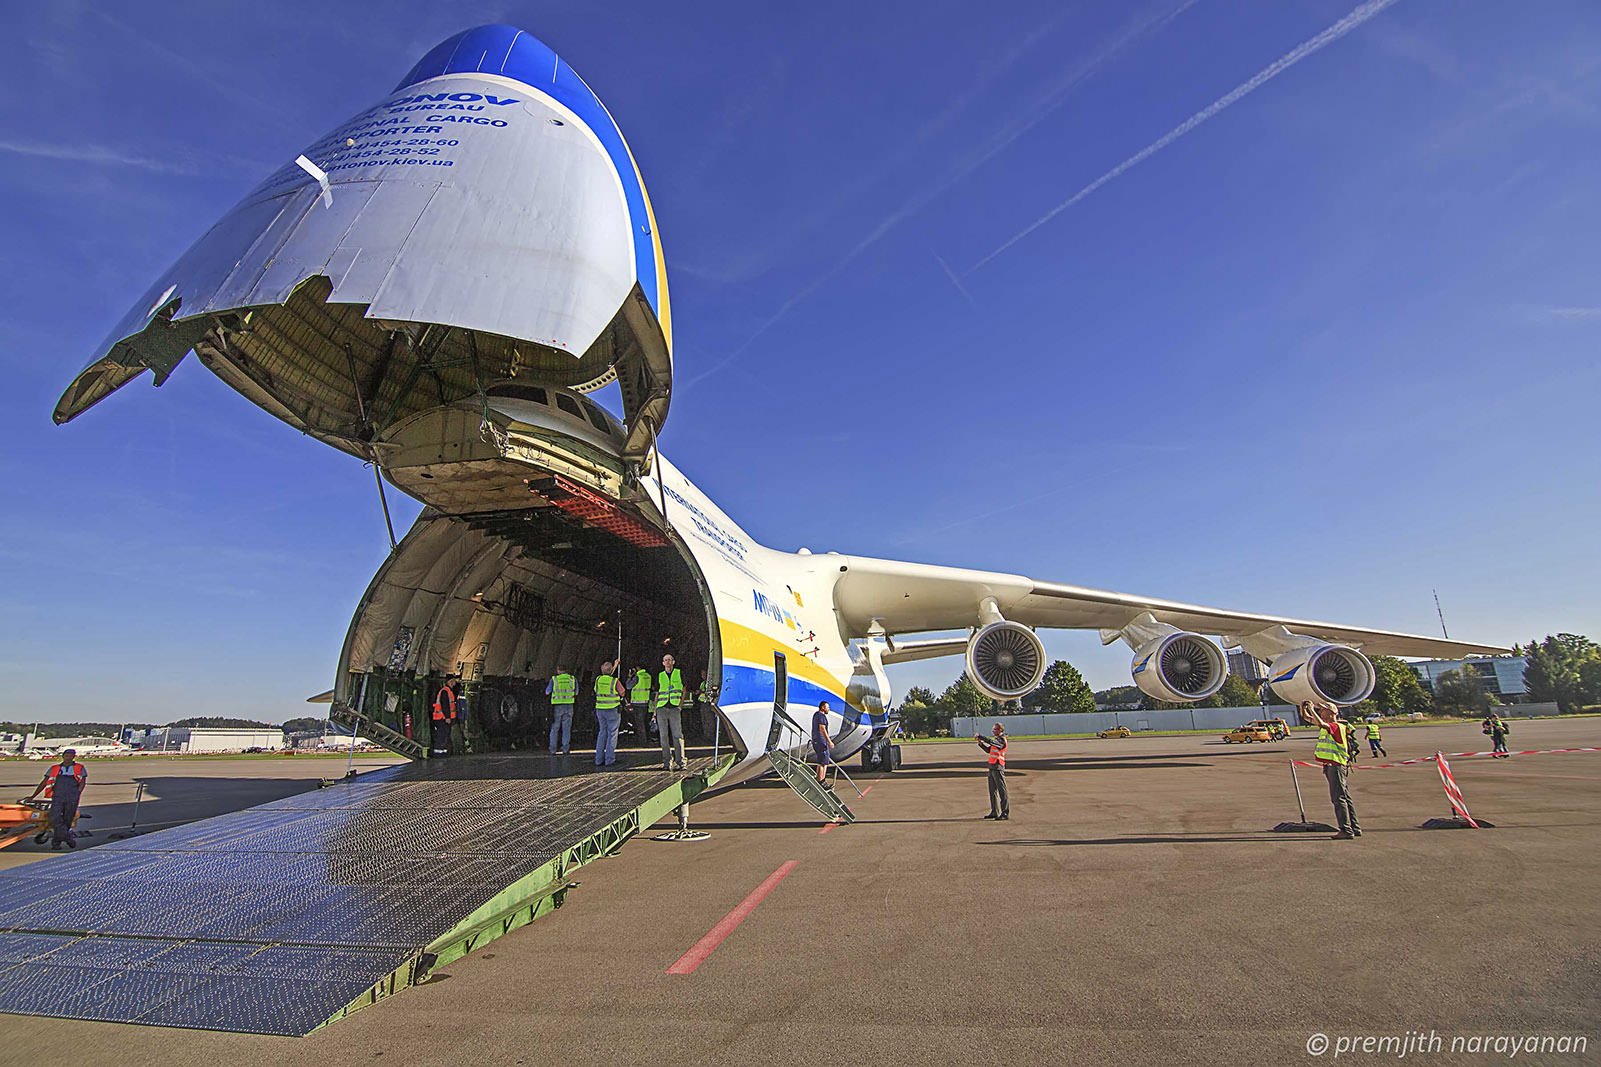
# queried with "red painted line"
point(729, 923)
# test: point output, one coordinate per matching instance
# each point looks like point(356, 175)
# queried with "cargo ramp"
point(282, 918)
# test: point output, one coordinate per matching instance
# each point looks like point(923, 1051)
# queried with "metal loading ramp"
point(281, 918)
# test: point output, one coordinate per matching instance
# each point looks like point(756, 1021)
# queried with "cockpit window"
point(597, 417)
point(515, 391)
point(569, 405)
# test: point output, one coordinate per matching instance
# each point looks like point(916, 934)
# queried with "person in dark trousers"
point(639, 706)
point(994, 747)
point(66, 781)
point(1374, 742)
point(1497, 728)
point(446, 717)
point(822, 744)
point(1332, 752)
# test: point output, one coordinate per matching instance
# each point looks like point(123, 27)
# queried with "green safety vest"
point(563, 689)
point(607, 693)
point(669, 689)
point(641, 691)
point(1373, 731)
point(1329, 750)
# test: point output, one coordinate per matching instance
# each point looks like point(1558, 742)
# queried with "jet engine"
point(1006, 660)
point(1334, 674)
point(1179, 666)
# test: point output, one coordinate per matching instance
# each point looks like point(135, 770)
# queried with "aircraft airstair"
point(282, 918)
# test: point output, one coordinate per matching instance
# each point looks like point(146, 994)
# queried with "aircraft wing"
point(907, 598)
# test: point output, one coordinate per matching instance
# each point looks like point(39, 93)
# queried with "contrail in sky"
point(1306, 48)
point(1008, 133)
point(951, 274)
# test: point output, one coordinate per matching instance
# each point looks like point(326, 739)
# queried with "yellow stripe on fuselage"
point(745, 645)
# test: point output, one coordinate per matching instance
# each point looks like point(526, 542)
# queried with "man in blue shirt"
point(822, 744)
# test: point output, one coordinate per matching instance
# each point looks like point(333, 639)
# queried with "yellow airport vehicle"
point(1115, 731)
point(1278, 729)
point(1246, 734)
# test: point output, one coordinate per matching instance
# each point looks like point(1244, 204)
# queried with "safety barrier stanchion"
point(1452, 793)
point(1302, 827)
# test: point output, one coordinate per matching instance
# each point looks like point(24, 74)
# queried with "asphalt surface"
point(1136, 908)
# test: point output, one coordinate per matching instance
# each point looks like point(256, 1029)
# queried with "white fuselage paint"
point(767, 602)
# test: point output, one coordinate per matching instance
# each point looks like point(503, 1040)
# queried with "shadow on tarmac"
point(1165, 839)
point(173, 801)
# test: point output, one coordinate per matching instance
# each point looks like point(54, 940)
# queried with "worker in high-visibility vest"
point(445, 724)
point(639, 705)
point(670, 714)
point(994, 748)
point(563, 691)
point(65, 782)
point(608, 714)
point(1375, 746)
point(1332, 752)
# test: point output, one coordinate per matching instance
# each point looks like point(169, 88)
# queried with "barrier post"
point(1302, 827)
point(1453, 792)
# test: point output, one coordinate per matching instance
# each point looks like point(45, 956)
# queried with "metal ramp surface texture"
point(799, 776)
point(280, 918)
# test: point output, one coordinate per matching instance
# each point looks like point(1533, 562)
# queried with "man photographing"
point(1332, 752)
point(994, 747)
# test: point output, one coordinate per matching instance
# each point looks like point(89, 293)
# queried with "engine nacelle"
point(1006, 660)
point(1332, 674)
point(1179, 667)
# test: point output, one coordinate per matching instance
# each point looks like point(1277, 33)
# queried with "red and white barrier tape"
point(1452, 755)
point(1453, 792)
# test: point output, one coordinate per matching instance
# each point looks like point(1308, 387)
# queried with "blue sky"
point(1329, 348)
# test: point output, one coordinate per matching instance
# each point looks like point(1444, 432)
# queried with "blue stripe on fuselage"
point(744, 684)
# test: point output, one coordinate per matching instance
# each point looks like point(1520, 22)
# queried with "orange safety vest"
point(445, 705)
point(997, 753)
point(54, 772)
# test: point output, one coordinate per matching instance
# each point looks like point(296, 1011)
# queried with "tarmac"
point(1136, 908)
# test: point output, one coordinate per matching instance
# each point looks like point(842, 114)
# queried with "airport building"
point(208, 739)
point(1501, 676)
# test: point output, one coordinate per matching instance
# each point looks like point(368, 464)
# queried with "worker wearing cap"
point(608, 716)
point(563, 691)
point(445, 726)
point(994, 748)
point(1375, 746)
point(670, 713)
point(1331, 751)
point(66, 781)
point(639, 705)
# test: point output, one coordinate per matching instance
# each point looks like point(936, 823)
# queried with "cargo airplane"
point(435, 286)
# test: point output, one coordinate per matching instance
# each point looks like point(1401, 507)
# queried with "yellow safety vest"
point(669, 689)
point(563, 689)
point(641, 691)
point(607, 693)
point(1330, 750)
point(1373, 731)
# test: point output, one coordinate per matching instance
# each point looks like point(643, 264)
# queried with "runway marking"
point(703, 948)
point(831, 825)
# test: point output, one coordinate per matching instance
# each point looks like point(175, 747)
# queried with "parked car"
point(1246, 734)
point(1115, 731)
